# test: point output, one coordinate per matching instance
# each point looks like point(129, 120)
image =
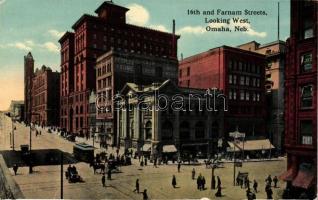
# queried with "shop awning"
point(287, 175)
point(304, 178)
point(251, 145)
point(146, 147)
point(169, 149)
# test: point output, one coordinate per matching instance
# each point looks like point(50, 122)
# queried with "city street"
point(45, 181)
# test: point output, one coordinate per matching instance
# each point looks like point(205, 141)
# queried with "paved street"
point(45, 181)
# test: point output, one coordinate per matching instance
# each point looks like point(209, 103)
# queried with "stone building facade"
point(144, 126)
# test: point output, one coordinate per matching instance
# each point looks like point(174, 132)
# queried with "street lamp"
point(13, 128)
point(235, 135)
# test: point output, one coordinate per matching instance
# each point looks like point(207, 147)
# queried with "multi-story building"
point(115, 68)
point(45, 97)
point(17, 110)
point(151, 118)
point(94, 36)
point(28, 75)
point(67, 81)
point(240, 74)
point(274, 84)
point(301, 101)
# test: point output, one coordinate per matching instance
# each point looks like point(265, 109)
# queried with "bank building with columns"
point(149, 121)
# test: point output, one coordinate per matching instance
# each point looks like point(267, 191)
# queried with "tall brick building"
point(92, 37)
point(45, 97)
point(301, 100)
point(274, 85)
point(240, 74)
point(28, 75)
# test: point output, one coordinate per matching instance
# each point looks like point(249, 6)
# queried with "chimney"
point(173, 38)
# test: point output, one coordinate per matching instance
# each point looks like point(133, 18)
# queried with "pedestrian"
point(255, 184)
point(155, 163)
point(199, 182)
point(109, 174)
point(174, 181)
point(237, 180)
point(269, 180)
point(248, 196)
point(179, 166)
point(219, 192)
point(15, 169)
point(219, 181)
point(146, 161)
point(275, 180)
point(145, 195)
point(103, 180)
point(247, 182)
point(137, 186)
point(269, 192)
point(203, 183)
point(193, 174)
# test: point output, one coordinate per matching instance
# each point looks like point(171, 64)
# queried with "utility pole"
point(30, 159)
point(62, 174)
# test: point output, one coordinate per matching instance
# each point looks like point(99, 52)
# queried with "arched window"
point(199, 130)
point(167, 130)
point(148, 129)
point(184, 131)
point(81, 110)
point(76, 110)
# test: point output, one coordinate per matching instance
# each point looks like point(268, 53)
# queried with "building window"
point(240, 66)
point(188, 83)
point(254, 96)
point(308, 31)
point(306, 132)
point(258, 97)
point(230, 79)
point(188, 71)
point(234, 95)
point(247, 80)
point(306, 62)
point(242, 80)
point(234, 79)
point(247, 96)
point(94, 36)
point(230, 94)
point(242, 97)
point(230, 65)
point(258, 83)
point(306, 96)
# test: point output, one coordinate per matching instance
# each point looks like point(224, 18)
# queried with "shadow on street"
point(39, 157)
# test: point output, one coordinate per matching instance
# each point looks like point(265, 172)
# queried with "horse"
point(98, 166)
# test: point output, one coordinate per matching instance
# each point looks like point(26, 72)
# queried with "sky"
point(37, 25)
